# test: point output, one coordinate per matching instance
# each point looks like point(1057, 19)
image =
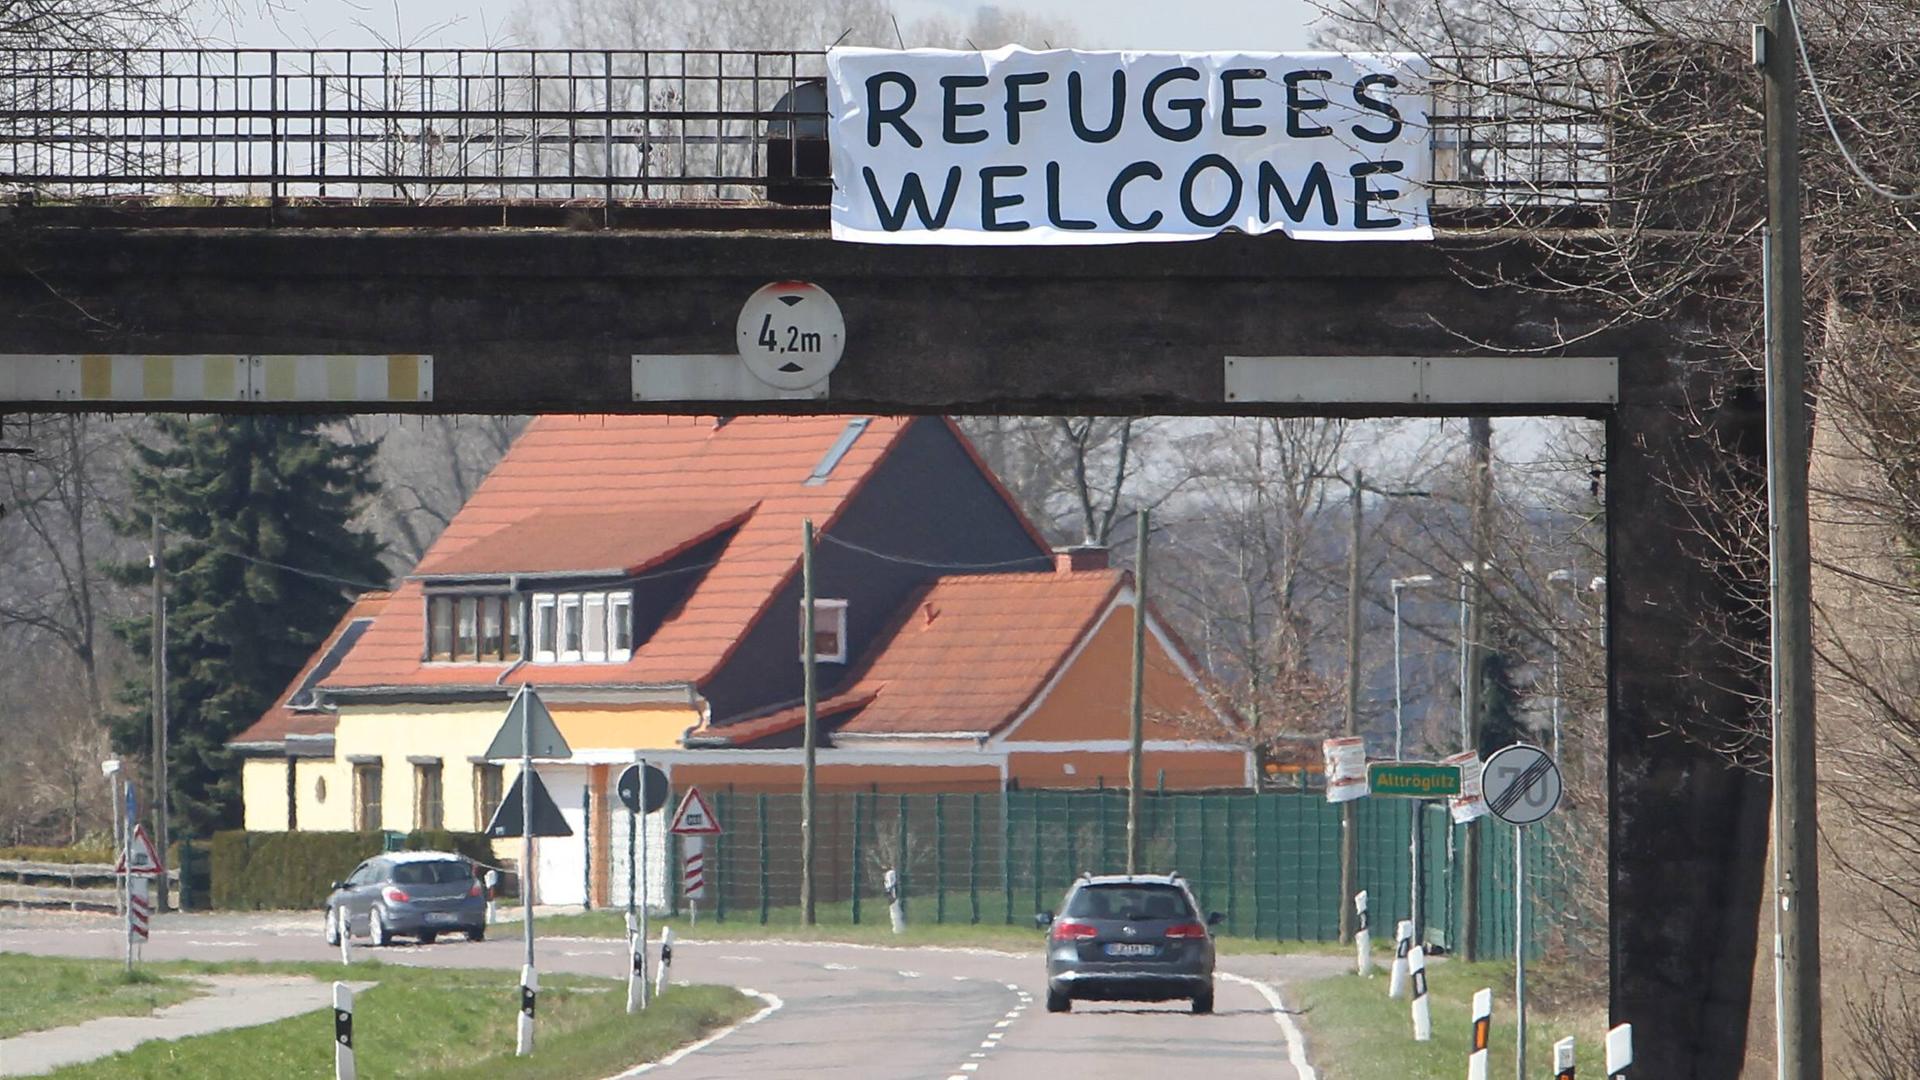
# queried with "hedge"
point(92, 849)
point(293, 870)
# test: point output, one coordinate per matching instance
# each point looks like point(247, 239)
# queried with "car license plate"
point(1123, 948)
point(439, 916)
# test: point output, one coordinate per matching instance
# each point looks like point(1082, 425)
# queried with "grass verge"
point(443, 1024)
point(47, 993)
point(834, 922)
point(1355, 1032)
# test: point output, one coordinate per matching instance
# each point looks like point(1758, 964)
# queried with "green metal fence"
point(1268, 862)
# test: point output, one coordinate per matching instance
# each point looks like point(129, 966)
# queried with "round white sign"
point(1521, 784)
point(791, 334)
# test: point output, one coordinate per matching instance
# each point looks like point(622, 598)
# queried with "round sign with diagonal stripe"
point(1521, 784)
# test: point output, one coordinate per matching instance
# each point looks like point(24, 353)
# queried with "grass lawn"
point(438, 1023)
point(834, 922)
point(1355, 1032)
point(47, 993)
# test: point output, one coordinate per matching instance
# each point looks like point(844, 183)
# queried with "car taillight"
point(1187, 930)
point(1073, 930)
point(394, 896)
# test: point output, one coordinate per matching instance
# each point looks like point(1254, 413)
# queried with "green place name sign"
point(1417, 779)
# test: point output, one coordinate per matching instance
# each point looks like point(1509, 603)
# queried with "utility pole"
point(158, 648)
point(1795, 799)
point(1349, 824)
point(810, 695)
point(1480, 480)
point(1135, 723)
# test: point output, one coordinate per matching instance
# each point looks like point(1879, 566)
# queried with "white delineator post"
point(1402, 944)
point(895, 912)
point(1362, 935)
point(1619, 1052)
point(342, 1032)
point(1482, 1028)
point(666, 961)
point(636, 967)
point(493, 887)
point(1563, 1059)
point(1422, 1009)
point(529, 993)
point(345, 923)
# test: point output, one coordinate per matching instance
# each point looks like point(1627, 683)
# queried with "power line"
point(908, 561)
point(1826, 115)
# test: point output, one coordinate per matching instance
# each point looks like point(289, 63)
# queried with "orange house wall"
point(889, 778)
point(1185, 770)
point(1092, 697)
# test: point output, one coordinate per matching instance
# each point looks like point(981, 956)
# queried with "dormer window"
point(583, 627)
point(829, 632)
point(469, 628)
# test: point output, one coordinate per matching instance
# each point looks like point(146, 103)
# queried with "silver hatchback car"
point(417, 894)
point(1134, 937)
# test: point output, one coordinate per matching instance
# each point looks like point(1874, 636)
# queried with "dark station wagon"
point(1133, 937)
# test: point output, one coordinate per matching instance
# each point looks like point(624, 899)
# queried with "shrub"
point(295, 870)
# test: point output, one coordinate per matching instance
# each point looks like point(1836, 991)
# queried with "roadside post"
point(1521, 785)
point(528, 732)
point(138, 864)
point(896, 911)
point(1422, 1010)
point(139, 912)
point(345, 922)
point(1418, 781)
point(1619, 1052)
point(343, 1031)
point(1402, 943)
point(666, 961)
point(1362, 935)
point(493, 890)
point(693, 823)
point(643, 789)
point(1482, 1028)
point(529, 995)
point(1563, 1059)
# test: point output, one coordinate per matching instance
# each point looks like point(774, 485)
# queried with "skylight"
point(838, 450)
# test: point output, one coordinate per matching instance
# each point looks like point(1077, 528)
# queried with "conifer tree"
point(261, 560)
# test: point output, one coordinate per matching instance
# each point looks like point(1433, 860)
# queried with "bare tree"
point(427, 469)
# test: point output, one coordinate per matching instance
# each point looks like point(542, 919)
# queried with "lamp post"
point(1558, 577)
point(1414, 581)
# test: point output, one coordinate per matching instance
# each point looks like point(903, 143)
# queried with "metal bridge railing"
point(605, 126)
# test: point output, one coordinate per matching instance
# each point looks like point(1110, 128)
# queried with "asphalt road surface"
point(842, 1010)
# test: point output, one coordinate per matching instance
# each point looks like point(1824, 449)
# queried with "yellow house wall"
point(330, 810)
point(263, 792)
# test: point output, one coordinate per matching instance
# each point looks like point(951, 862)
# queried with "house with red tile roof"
point(643, 573)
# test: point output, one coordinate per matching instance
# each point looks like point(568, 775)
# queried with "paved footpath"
point(231, 1001)
point(852, 1012)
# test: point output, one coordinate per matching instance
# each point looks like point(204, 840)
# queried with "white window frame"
point(573, 655)
point(547, 603)
point(593, 611)
point(619, 616)
point(834, 614)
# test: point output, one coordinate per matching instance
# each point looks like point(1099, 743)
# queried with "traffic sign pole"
point(1522, 785)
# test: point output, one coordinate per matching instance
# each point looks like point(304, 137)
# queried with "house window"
point(440, 628)
point(465, 628)
point(620, 626)
point(428, 805)
point(366, 797)
point(594, 608)
point(514, 648)
point(570, 626)
point(544, 628)
point(487, 788)
point(490, 639)
point(829, 632)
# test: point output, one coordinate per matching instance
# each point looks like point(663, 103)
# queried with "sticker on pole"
point(141, 857)
point(1521, 784)
point(791, 334)
point(1346, 765)
point(1471, 803)
point(694, 818)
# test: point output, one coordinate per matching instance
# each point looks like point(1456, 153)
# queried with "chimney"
point(1068, 560)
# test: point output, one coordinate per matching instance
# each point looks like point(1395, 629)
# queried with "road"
point(844, 1010)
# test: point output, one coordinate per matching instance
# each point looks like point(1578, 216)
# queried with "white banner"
point(1013, 147)
point(1471, 803)
point(1346, 768)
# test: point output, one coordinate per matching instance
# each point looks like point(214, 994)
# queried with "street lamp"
point(1414, 581)
point(1558, 577)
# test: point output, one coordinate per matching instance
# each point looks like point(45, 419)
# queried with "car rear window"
point(444, 872)
point(1135, 902)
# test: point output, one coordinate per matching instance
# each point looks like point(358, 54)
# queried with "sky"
point(1190, 25)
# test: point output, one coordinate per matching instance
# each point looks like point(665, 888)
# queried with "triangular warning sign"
point(547, 819)
point(146, 860)
point(543, 735)
point(694, 818)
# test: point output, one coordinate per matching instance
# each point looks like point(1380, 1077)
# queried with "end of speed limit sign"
point(1521, 784)
point(791, 334)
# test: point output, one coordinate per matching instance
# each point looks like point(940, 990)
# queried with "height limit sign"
point(791, 334)
point(1521, 784)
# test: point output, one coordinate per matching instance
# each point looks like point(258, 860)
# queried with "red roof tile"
point(630, 466)
point(283, 719)
point(615, 543)
point(966, 654)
